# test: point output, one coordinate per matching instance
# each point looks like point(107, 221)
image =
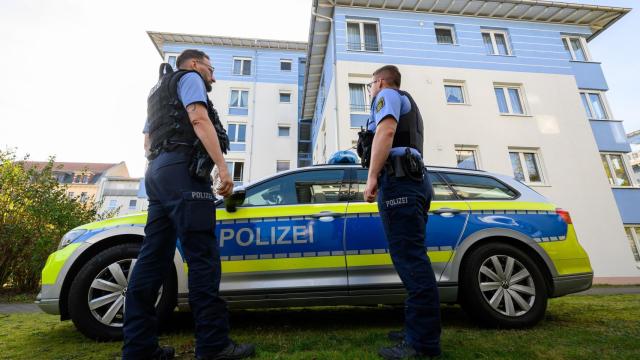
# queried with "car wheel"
point(97, 294)
point(503, 287)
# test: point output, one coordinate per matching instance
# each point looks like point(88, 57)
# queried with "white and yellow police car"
point(306, 237)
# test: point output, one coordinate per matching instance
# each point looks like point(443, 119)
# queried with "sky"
point(77, 73)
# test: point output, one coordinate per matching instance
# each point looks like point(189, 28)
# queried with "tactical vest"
point(410, 129)
point(168, 120)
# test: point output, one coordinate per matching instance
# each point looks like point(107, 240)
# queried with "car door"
point(367, 251)
point(287, 235)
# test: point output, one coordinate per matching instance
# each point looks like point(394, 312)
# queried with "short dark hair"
point(390, 74)
point(190, 54)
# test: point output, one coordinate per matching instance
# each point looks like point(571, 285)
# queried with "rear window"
point(474, 187)
point(441, 191)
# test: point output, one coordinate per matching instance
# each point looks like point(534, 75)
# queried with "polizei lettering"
point(201, 195)
point(396, 202)
point(275, 235)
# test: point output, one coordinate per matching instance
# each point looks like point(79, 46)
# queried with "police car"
point(306, 237)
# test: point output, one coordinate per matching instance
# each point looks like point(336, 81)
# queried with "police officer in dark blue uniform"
point(186, 139)
point(399, 180)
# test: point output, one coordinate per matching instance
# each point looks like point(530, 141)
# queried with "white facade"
point(126, 195)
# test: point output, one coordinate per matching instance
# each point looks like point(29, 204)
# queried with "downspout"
point(253, 106)
point(335, 74)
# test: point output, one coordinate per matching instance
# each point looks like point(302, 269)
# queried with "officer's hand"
point(225, 187)
point(371, 190)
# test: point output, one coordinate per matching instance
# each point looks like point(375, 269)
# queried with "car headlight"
point(70, 237)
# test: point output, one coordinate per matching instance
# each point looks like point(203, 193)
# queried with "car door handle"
point(326, 215)
point(442, 211)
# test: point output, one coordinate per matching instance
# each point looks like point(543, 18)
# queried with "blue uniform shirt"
point(389, 102)
point(191, 90)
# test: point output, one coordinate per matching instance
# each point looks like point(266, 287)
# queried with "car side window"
point(441, 191)
point(307, 187)
point(474, 187)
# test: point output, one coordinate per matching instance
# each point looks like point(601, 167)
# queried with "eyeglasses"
point(371, 84)
point(211, 68)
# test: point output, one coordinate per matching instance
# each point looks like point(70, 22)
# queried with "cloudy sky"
point(77, 73)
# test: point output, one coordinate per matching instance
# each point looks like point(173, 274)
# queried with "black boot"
point(232, 351)
point(402, 351)
point(163, 353)
point(396, 335)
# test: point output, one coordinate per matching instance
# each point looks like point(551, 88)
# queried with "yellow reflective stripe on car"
point(319, 262)
point(363, 207)
point(385, 259)
point(568, 256)
point(510, 205)
point(137, 219)
point(54, 264)
point(279, 211)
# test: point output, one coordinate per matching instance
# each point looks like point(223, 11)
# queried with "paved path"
point(609, 290)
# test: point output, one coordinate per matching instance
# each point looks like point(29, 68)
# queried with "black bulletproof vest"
point(410, 130)
point(169, 121)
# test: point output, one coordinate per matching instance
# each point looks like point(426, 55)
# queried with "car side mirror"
point(234, 200)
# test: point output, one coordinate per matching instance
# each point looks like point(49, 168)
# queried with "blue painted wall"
point(610, 136)
point(628, 201)
point(268, 62)
point(325, 85)
point(589, 75)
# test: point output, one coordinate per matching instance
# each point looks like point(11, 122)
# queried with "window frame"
point(365, 95)
point(458, 83)
point(281, 162)
point(444, 178)
point(451, 28)
point(288, 127)
point(235, 139)
point(566, 39)
point(239, 98)
point(286, 61)
point(233, 168)
point(243, 60)
point(476, 156)
point(135, 205)
point(285, 92)
point(628, 171)
point(525, 170)
point(603, 101)
point(507, 41)
point(635, 238)
point(166, 59)
point(523, 99)
point(361, 23)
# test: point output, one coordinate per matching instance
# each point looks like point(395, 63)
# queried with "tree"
point(35, 212)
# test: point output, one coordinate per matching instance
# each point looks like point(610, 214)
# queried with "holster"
point(407, 164)
point(365, 142)
point(201, 164)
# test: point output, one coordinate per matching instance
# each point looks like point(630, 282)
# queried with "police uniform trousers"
point(403, 204)
point(179, 207)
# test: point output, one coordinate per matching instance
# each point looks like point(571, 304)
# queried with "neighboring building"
point(634, 156)
point(82, 179)
point(503, 86)
point(257, 94)
point(127, 195)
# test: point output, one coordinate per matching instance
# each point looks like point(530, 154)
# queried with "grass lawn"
point(576, 327)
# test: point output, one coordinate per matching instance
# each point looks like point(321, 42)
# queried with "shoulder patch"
point(380, 104)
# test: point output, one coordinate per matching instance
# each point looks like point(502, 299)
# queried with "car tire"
point(97, 280)
point(503, 287)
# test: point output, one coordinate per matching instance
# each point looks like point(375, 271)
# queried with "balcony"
point(628, 201)
point(610, 135)
point(589, 75)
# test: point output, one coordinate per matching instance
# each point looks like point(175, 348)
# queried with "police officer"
point(182, 125)
point(398, 178)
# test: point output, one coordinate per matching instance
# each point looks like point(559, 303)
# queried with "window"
point(576, 47)
point(236, 169)
point(237, 133)
point(285, 97)
point(509, 100)
point(454, 92)
point(71, 194)
point(133, 204)
point(615, 169)
point(633, 234)
point(241, 66)
point(358, 98)
point(283, 131)
point(441, 191)
point(85, 179)
point(478, 187)
point(112, 204)
point(239, 99)
point(445, 34)
point(308, 187)
point(594, 106)
point(526, 166)
point(496, 42)
point(83, 197)
point(282, 165)
point(362, 36)
point(285, 65)
point(171, 60)
point(466, 158)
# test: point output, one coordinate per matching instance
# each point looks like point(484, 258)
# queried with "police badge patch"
point(380, 104)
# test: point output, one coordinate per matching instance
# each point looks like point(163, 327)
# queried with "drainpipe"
point(253, 106)
point(335, 74)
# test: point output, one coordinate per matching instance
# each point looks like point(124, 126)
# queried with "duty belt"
point(169, 146)
point(405, 165)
